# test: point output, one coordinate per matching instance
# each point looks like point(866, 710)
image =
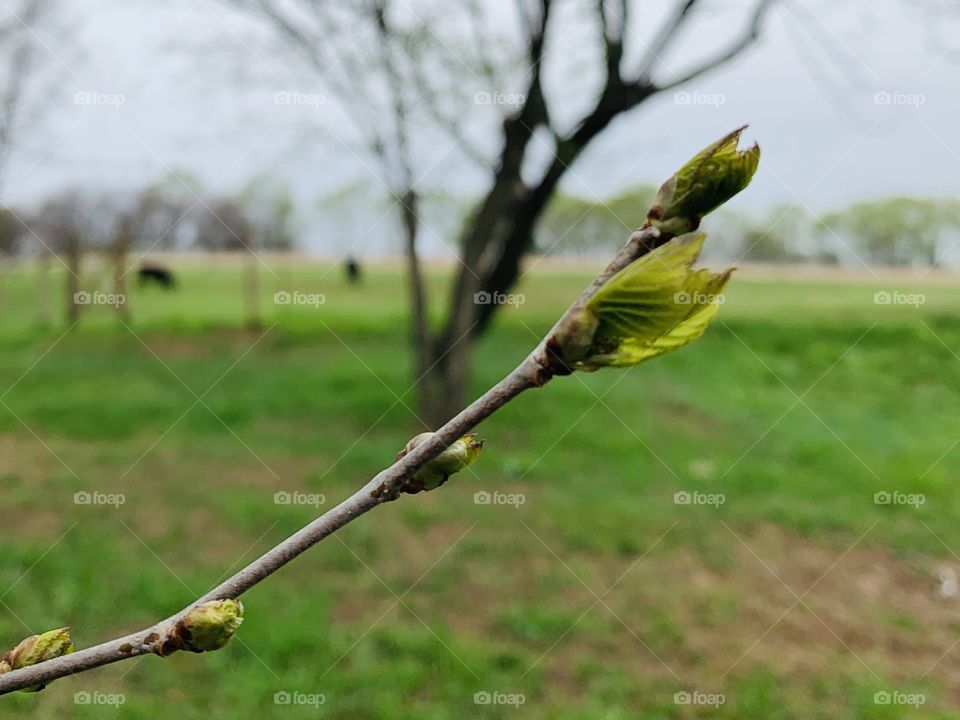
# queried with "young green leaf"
point(654, 305)
point(707, 181)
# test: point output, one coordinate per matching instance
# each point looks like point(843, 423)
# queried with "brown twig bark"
point(534, 371)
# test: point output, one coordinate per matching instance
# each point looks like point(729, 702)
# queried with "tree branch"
point(501, 201)
point(746, 39)
point(21, 62)
point(613, 34)
point(663, 38)
point(534, 371)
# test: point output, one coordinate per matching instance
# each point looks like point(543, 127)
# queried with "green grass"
point(801, 402)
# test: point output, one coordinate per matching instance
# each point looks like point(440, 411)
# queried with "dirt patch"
point(37, 483)
point(778, 603)
point(788, 605)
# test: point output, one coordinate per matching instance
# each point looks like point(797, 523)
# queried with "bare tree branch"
point(404, 188)
point(20, 65)
point(746, 39)
point(665, 36)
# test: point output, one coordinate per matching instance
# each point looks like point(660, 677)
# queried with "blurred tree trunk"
point(121, 249)
point(251, 289)
point(427, 400)
point(502, 230)
point(44, 304)
point(501, 233)
point(74, 256)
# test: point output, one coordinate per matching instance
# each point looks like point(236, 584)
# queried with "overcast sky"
point(853, 102)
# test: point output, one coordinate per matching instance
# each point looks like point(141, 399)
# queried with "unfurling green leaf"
point(207, 627)
point(37, 649)
point(435, 473)
point(654, 305)
point(709, 179)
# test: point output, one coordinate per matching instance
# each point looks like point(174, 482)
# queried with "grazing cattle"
point(352, 270)
point(158, 275)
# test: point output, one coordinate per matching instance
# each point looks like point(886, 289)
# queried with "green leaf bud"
point(456, 457)
point(37, 649)
point(207, 627)
point(707, 181)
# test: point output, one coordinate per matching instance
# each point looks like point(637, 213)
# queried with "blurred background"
point(248, 248)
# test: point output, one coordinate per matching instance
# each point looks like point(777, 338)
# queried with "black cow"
point(158, 275)
point(352, 270)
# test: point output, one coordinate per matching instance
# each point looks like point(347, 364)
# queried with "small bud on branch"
point(207, 627)
point(707, 181)
point(36, 649)
point(456, 457)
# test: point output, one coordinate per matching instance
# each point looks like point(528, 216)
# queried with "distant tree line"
point(167, 217)
point(123, 230)
point(898, 231)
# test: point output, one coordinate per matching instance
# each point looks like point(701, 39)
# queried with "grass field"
point(784, 586)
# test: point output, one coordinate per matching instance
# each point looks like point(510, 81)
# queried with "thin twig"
point(535, 371)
